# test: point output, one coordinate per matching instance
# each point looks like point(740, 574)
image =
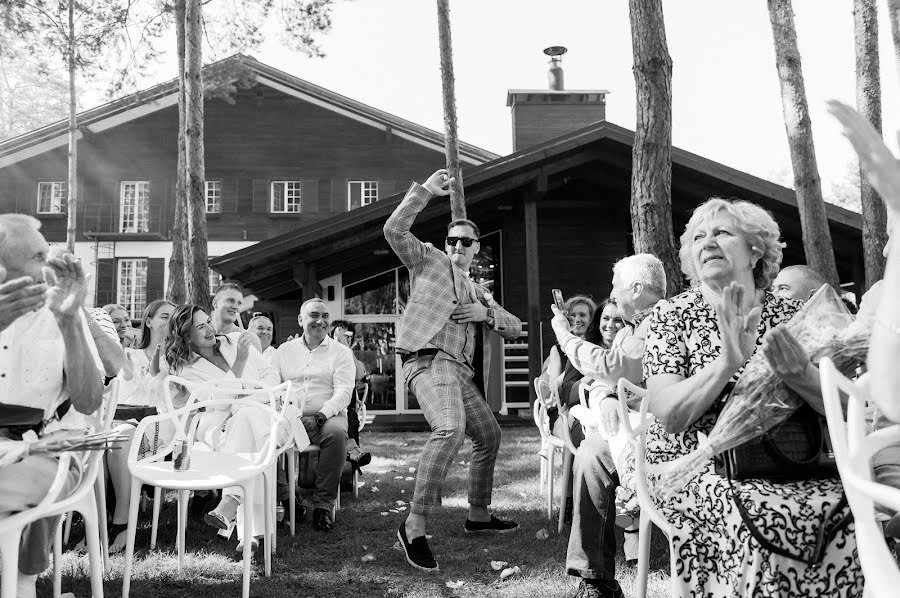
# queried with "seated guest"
point(797, 282)
point(195, 352)
point(49, 364)
point(697, 343)
point(323, 371)
point(342, 332)
point(121, 320)
point(580, 311)
point(263, 328)
point(226, 313)
point(137, 387)
point(639, 281)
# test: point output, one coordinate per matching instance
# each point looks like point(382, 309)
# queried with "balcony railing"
point(105, 220)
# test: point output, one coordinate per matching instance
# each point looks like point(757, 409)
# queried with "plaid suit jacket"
point(436, 290)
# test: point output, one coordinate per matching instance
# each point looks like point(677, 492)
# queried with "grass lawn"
point(330, 565)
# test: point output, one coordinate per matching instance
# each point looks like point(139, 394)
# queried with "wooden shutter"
point(26, 197)
point(229, 195)
point(261, 195)
point(156, 272)
point(106, 282)
point(325, 195)
point(386, 188)
point(309, 197)
point(354, 193)
point(338, 196)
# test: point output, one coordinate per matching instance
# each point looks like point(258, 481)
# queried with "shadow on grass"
point(329, 565)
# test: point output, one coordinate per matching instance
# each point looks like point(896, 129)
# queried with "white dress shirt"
point(32, 366)
point(323, 378)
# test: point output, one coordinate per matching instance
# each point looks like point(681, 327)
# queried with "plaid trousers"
point(454, 408)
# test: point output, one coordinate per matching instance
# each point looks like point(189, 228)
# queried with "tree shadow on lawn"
point(330, 564)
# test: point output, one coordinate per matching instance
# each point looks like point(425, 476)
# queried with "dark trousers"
point(592, 541)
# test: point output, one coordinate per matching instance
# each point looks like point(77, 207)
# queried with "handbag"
point(797, 449)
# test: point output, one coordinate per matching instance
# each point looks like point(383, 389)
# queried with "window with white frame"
point(213, 197)
point(286, 197)
point(52, 197)
point(215, 279)
point(134, 207)
point(131, 287)
point(361, 193)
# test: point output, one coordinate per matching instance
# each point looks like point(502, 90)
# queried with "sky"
point(726, 97)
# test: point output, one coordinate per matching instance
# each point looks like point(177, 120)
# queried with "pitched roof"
point(481, 184)
point(165, 95)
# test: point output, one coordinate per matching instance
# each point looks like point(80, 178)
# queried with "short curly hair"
point(754, 223)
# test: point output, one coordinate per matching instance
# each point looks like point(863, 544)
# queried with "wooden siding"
point(537, 123)
point(262, 137)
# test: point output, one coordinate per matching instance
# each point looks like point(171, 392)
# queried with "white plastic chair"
point(208, 470)
point(361, 415)
point(853, 451)
point(650, 514)
point(550, 444)
point(83, 498)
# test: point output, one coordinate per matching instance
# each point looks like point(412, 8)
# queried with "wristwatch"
point(489, 320)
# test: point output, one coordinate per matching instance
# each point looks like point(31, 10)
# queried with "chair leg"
point(292, 484)
point(543, 474)
point(550, 476)
point(248, 540)
point(129, 535)
point(564, 489)
point(183, 496)
point(57, 560)
point(100, 494)
point(92, 536)
point(9, 550)
point(67, 530)
point(355, 484)
point(272, 504)
point(154, 525)
point(644, 533)
point(269, 528)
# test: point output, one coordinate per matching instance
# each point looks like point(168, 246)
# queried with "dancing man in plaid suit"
point(446, 315)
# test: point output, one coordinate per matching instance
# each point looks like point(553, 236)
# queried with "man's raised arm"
point(408, 248)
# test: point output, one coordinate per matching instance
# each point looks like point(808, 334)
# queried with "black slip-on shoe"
point(418, 554)
point(591, 588)
point(495, 525)
point(322, 520)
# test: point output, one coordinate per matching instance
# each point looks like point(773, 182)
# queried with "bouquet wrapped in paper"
point(760, 400)
point(16, 450)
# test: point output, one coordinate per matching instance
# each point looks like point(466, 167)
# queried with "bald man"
point(797, 282)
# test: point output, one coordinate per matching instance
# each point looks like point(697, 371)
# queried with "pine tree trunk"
point(651, 157)
point(813, 220)
point(72, 200)
point(197, 266)
point(448, 89)
point(176, 289)
point(868, 102)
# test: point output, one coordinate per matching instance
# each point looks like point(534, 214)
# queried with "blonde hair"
point(754, 223)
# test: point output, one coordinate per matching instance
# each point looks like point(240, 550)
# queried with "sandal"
point(218, 521)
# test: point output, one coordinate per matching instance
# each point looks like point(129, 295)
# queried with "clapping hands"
point(18, 297)
point(737, 326)
point(66, 285)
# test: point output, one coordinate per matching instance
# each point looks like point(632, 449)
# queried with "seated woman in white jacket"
point(195, 353)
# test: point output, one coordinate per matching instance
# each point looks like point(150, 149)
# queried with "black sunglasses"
point(466, 241)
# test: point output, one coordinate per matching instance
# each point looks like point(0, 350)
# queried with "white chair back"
point(638, 434)
point(853, 451)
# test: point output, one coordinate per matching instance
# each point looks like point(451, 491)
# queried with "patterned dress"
point(717, 555)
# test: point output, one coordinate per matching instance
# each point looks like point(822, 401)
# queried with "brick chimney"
point(539, 115)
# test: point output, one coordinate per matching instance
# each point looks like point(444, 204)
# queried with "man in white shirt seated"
point(639, 281)
point(322, 371)
point(48, 363)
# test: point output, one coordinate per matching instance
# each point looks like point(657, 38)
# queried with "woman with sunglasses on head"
point(342, 331)
point(196, 353)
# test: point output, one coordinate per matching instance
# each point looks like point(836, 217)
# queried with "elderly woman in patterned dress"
point(699, 341)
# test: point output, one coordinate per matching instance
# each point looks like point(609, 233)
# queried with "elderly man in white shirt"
point(323, 371)
point(48, 362)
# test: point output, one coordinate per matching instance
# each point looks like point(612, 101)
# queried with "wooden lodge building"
point(300, 181)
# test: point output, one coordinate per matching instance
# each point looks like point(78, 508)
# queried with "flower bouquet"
point(31, 444)
point(760, 400)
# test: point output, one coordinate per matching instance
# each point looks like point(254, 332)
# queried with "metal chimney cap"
point(555, 51)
